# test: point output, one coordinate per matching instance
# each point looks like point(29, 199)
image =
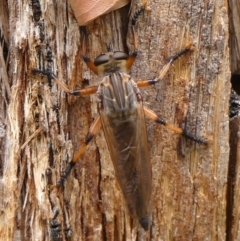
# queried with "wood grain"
point(189, 180)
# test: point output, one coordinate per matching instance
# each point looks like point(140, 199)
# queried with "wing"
point(127, 143)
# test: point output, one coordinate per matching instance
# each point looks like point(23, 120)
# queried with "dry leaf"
point(87, 10)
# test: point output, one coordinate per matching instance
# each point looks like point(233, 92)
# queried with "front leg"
point(143, 83)
point(78, 92)
point(86, 59)
point(136, 15)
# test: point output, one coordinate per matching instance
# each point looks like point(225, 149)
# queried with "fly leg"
point(93, 130)
point(78, 92)
point(143, 83)
point(86, 59)
point(153, 116)
point(95, 127)
point(133, 56)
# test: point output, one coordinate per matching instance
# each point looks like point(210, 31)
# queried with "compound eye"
point(101, 59)
point(119, 55)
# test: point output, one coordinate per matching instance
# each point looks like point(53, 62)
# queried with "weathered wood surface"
point(233, 182)
point(189, 180)
point(233, 201)
point(234, 19)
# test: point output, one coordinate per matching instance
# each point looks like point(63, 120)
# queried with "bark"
point(234, 160)
point(41, 127)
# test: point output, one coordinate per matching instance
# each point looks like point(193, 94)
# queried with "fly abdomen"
point(145, 222)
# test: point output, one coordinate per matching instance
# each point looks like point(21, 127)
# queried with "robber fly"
point(122, 117)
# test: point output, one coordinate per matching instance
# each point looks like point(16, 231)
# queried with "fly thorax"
point(118, 95)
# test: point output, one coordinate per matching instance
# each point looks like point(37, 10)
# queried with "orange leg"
point(86, 59)
point(153, 116)
point(133, 56)
point(81, 92)
point(94, 129)
point(143, 83)
point(90, 64)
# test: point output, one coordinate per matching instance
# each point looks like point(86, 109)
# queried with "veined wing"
point(127, 143)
